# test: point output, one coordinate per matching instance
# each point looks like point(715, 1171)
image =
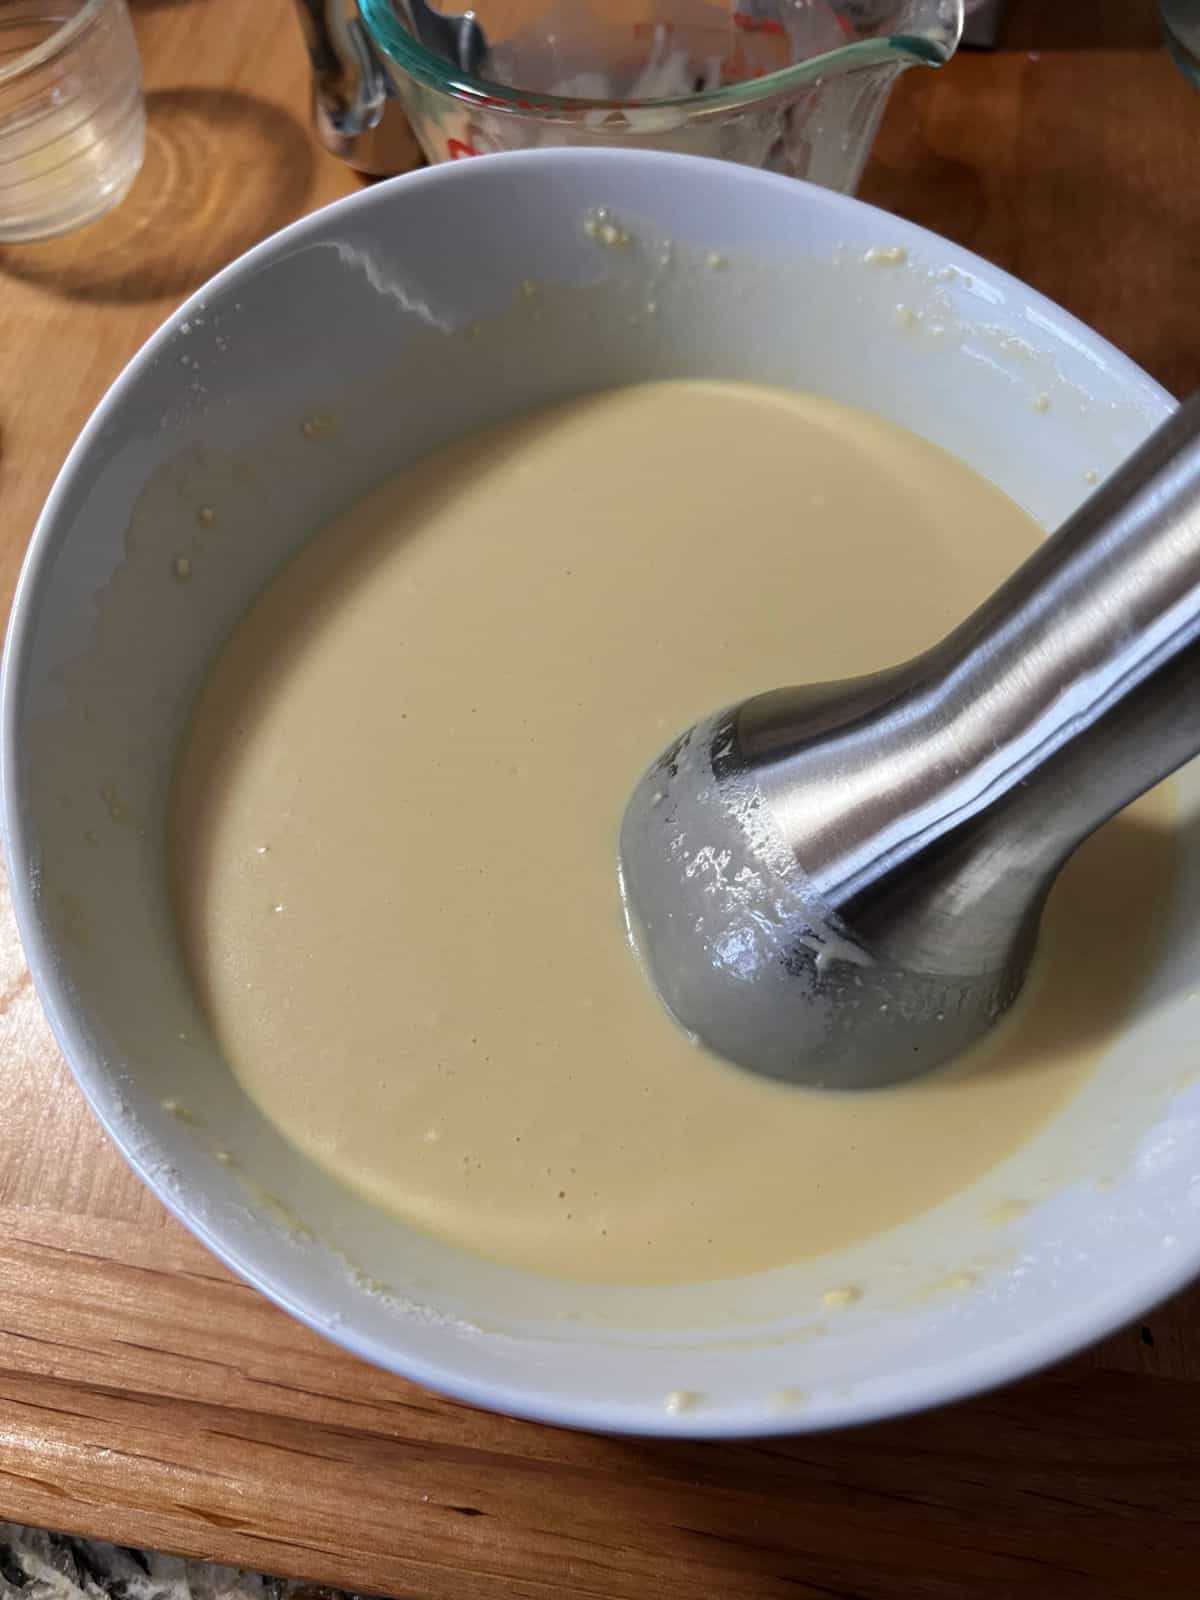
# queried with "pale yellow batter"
point(396, 821)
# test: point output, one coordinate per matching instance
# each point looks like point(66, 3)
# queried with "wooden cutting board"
point(147, 1397)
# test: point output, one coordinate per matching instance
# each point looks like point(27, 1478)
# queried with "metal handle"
point(349, 88)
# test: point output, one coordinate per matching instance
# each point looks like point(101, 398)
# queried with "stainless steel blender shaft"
point(841, 884)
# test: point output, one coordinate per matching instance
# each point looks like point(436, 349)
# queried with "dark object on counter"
point(982, 30)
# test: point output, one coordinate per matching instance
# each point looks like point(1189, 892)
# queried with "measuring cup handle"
point(349, 88)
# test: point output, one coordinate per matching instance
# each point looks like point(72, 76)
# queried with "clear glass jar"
point(72, 118)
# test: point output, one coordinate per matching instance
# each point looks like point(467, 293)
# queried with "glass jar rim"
point(389, 35)
point(53, 43)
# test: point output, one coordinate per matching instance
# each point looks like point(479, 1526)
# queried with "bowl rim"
point(991, 1365)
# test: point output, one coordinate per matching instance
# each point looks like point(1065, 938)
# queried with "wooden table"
point(147, 1397)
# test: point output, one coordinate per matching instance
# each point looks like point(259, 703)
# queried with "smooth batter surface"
point(396, 819)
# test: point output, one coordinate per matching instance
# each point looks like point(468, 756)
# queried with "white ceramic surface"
point(317, 364)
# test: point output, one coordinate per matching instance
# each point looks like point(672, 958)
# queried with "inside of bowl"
point(251, 422)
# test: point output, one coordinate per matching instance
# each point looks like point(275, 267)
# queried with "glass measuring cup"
point(795, 86)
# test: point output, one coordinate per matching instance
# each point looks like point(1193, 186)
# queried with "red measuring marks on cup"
point(749, 24)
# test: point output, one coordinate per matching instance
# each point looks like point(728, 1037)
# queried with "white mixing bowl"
point(324, 360)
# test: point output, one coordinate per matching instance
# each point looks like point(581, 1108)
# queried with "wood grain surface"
point(147, 1397)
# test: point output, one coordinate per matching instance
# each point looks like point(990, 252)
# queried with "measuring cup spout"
point(927, 33)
